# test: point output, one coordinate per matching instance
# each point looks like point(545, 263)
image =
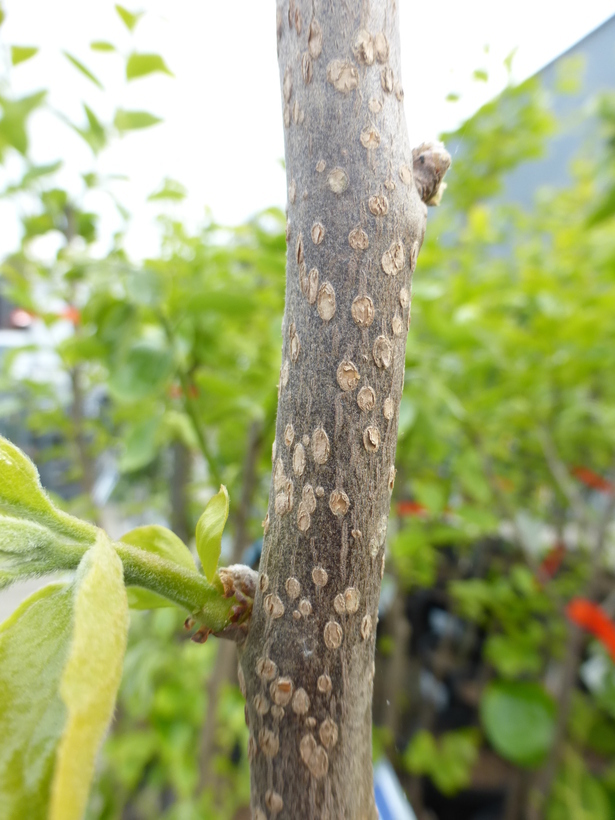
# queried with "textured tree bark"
point(355, 225)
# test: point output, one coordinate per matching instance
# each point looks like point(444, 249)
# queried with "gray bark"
point(355, 225)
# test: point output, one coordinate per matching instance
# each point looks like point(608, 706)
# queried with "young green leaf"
point(19, 54)
point(167, 545)
point(133, 120)
point(28, 550)
point(83, 69)
point(35, 536)
point(209, 532)
point(91, 676)
point(139, 65)
point(128, 17)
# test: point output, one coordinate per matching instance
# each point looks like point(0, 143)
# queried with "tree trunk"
point(355, 225)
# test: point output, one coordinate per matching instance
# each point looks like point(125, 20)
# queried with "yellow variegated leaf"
point(34, 645)
point(91, 676)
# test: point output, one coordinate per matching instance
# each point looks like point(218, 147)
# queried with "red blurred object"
point(176, 392)
point(552, 560)
point(593, 480)
point(20, 319)
point(504, 483)
point(71, 314)
point(593, 619)
point(405, 508)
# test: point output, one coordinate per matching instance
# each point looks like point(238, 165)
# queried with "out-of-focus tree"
point(504, 491)
point(507, 451)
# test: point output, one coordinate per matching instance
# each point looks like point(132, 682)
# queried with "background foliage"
point(138, 386)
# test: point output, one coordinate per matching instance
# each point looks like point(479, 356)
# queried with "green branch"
point(184, 588)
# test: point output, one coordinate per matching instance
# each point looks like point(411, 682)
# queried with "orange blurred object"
point(553, 560)
point(405, 508)
point(593, 480)
point(593, 619)
point(71, 314)
point(176, 391)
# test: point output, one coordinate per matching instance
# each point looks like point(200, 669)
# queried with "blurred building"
point(574, 82)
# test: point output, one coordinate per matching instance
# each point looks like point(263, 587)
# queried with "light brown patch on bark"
point(343, 76)
point(363, 311)
point(339, 503)
point(347, 376)
point(383, 352)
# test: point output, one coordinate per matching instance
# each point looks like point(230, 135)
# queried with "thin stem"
point(186, 589)
point(562, 478)
point(191, 408)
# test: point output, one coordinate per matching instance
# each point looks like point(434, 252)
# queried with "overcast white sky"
point(222, 135)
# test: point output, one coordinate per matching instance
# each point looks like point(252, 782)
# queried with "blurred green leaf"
point(15, 115)
point(140, 65)
point(38, 171)
point(94, 134)
point(83, 69)
point(171, 189)
point(447, 760)
point(422, 753)
point(143, 371)
point(577, 794)
point(139, 445)
point(512, 656)
point(101, 45)
point(129, 18)
point(433, 494)
point(38, 225)
point(519, 720)
point(132, 120)
point(605, 209)
point(19, 54)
